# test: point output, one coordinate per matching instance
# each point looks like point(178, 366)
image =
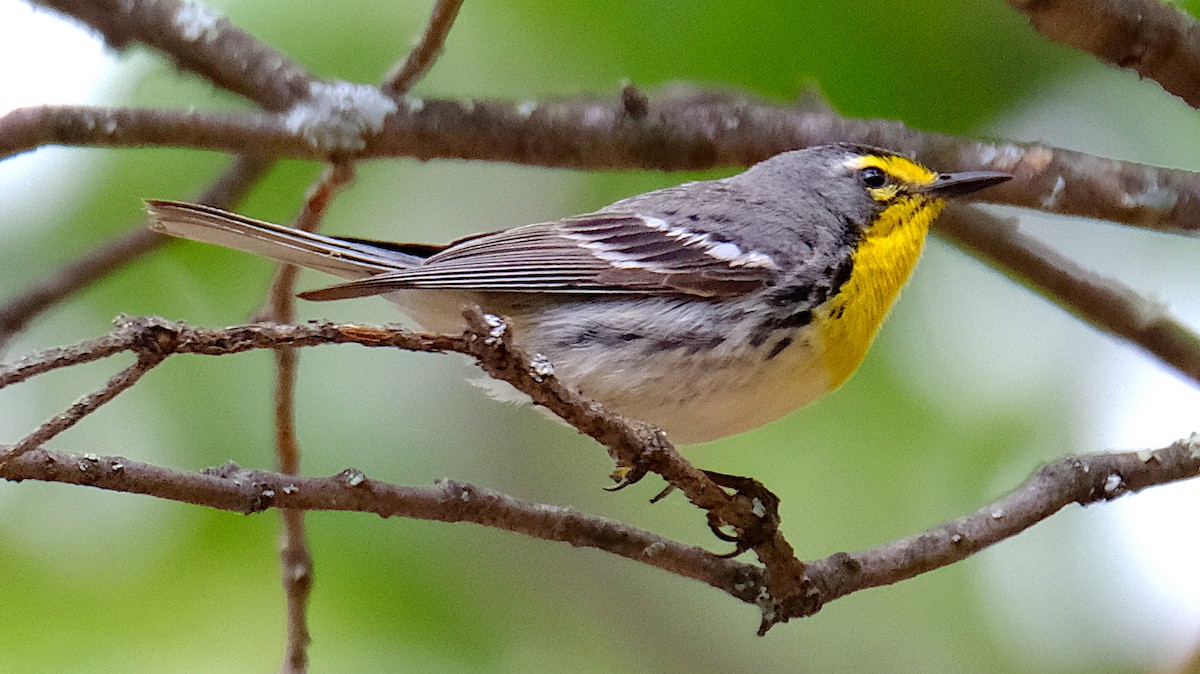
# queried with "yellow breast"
point(882, 264)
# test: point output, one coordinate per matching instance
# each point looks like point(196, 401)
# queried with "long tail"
point(351, 259)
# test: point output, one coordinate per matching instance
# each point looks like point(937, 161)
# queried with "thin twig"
point(296, 561)
point(199, 40)
point(1155, 39)
point(119, 383)
point(40, 362)
point(1100, 301)
point(422, 56)
point(69, 278)
point(295, 554)
point(15, 314)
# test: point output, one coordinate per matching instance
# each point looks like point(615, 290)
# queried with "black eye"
point(874, 177)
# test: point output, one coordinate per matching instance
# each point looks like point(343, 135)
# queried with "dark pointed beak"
point(965, 182)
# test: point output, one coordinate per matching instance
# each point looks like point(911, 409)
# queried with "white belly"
point(695, 392)
point(699, 397)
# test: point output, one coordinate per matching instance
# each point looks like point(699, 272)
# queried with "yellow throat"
point(883, 261)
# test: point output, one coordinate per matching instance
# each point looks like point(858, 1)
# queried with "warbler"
point(707, 309)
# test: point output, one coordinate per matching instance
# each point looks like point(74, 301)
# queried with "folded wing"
point(597, 253)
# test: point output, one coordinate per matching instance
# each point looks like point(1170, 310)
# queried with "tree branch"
point(118, 384)
point(789, 587)
point(422, 56)
point(1152, 38)
point(1088, 479)
point(199, 40)
point(33, 364)
point(640, 447)
point(1077, 479)
point(681, 130)
point(234, 489)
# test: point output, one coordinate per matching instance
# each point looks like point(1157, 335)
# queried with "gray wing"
point(608, 252)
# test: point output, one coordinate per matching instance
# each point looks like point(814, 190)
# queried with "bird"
point(706, 309)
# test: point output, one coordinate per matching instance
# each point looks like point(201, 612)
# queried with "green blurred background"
point(972, 384)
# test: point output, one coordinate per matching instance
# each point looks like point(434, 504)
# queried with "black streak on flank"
point(603, 336)
point(794, 321)
point(600, 336)
point(790, 323)
point(779, 347)
point(689, 344)
point(697, 345)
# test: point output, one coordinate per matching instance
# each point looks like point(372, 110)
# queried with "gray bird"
point(707, 309)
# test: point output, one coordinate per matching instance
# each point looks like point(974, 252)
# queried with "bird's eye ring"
point(874, 177)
